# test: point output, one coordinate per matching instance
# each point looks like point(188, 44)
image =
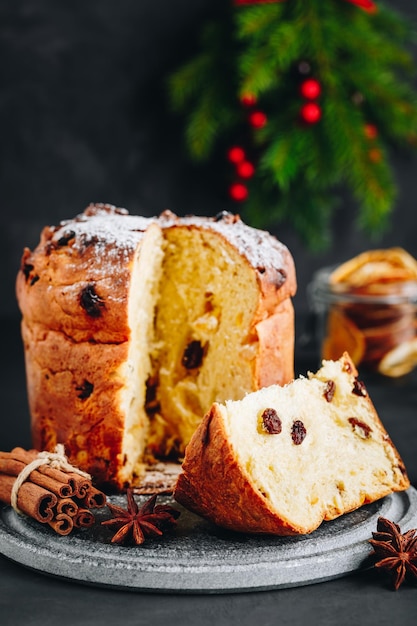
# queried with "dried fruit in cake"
point(133, 326)
point(330, 455)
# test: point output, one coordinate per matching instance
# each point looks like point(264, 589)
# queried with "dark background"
point(84, 118)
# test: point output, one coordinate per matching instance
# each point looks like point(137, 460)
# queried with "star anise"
point(394, 551)
point(134, 524)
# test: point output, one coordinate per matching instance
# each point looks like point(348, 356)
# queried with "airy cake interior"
point(144, 289)
point(191, 295)
point(339, 463)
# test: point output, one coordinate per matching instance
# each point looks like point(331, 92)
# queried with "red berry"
point(248, 99)
point(257, 119)
point(238, 192)
point(310, 113)
point(236, 154)
point(371, 131)
point(310, 89)
point(245, 169)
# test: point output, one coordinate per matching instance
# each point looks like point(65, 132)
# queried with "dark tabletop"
point(31, 598)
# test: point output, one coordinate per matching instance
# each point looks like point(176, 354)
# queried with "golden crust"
point(54, 277)
point(73, 291)
point(52, 282)
point(73, 398)
point(214, 485)
point(275, 362)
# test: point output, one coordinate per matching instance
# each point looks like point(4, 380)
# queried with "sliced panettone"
point(134, 326)
point(285, 458)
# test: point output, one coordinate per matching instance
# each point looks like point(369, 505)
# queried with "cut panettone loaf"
point(134, 326)
point(285, 458)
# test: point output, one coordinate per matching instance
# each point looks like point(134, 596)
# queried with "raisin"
point(86, 389)
point(357, 423)
point(193, 355)
point(298, 432)
point(359, 388)
point(86, 241)
point(27, 268)
point(66, 238)
point(151, 402)
point(271, 422)
point(91, 301)
point(208, 304)
point(329, 390)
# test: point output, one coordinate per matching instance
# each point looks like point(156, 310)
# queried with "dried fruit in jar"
point(400, 361)
point(376, 312)
point(373, 269)
point(342, 335)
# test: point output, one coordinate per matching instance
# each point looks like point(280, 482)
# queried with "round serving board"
point(200, 557)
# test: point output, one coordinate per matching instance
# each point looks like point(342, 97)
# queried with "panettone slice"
point(285, 458)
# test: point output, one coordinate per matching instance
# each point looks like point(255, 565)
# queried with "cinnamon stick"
point(84, 519)
point(82, 485)
point(13, 467)
point(68, 486)
point(93, 499)
point(32, 500)
point(67, 506)
point(62, 524)
point(59, 497)
point(79, 484)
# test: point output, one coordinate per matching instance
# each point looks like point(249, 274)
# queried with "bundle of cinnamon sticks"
point(60, 498)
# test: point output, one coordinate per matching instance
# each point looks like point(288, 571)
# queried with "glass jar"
point(378, 329)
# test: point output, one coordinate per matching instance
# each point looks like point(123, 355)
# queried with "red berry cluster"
point(310, 90)
point(244, 168)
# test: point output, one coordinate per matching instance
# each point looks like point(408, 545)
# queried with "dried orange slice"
point(342, 336)
point(400, 360)
point(376, 266)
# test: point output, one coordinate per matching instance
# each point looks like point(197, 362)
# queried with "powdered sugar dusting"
point(107, 225)
point(115, 235)
point(260, 248)
point(111, 233)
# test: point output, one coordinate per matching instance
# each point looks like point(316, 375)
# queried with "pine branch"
point(366, 76)
point(257, 19)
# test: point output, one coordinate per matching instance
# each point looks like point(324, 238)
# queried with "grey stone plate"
point(199, 557)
